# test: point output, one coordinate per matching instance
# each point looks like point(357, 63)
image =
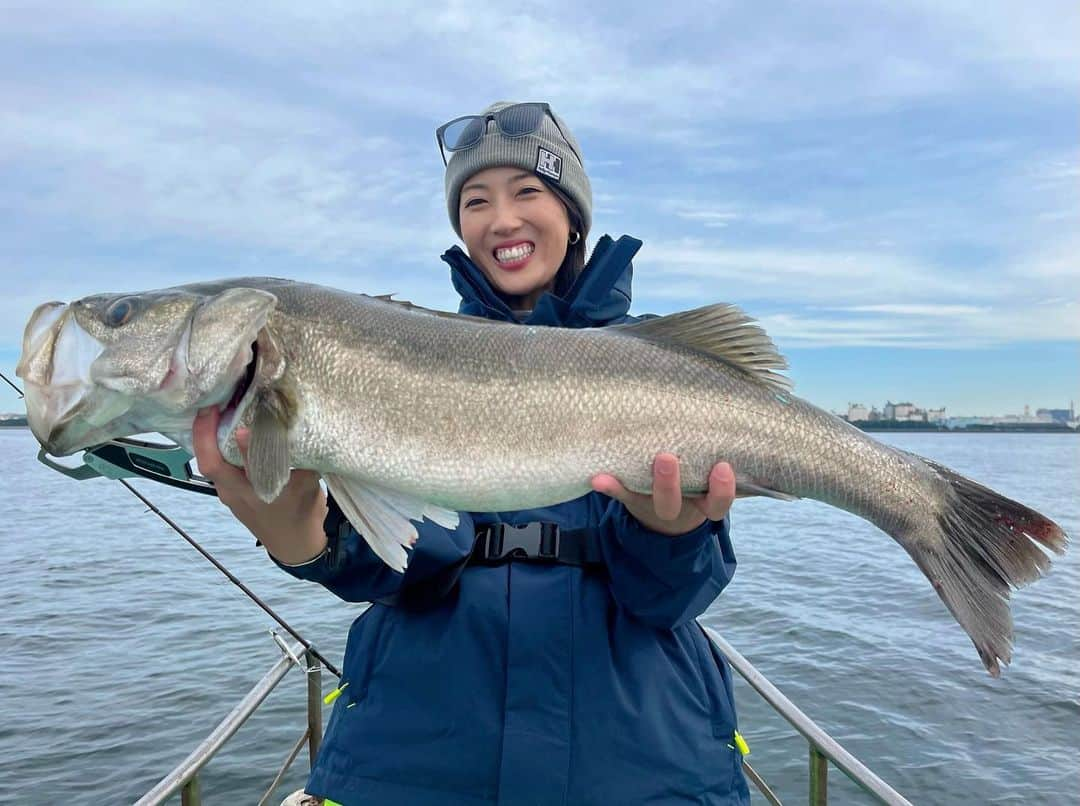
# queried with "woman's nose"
point(506, 219)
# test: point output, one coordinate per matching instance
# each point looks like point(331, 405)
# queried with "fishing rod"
point(13, 386)
point(124, 458)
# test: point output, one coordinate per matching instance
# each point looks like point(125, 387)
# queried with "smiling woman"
point(548, 655)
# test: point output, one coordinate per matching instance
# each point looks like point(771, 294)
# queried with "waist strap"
point(535, 542)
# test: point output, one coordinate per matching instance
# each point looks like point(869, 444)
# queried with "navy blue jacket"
point(527, 683)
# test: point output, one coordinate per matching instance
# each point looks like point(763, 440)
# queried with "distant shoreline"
point(1034, 428)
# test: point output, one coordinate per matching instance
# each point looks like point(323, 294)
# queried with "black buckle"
point(533, 541)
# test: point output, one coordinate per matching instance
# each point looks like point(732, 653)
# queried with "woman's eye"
point(119, 313)
point(473, 202)
point(528, 191)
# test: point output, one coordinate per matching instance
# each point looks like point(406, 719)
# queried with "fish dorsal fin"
point(722, 331)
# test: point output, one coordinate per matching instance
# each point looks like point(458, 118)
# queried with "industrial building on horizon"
point(910, 413)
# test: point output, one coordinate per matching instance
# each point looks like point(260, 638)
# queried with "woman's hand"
point(290, 526)
point(666, 510)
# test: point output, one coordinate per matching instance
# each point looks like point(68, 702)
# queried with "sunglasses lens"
point(463, 133)
point(520, 119)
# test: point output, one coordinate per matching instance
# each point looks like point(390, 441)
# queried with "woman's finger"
point(610, 486)
point(721, 492)
point(204, 440)
point(667, 487)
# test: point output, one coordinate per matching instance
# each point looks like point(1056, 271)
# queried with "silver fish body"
point(410, 413)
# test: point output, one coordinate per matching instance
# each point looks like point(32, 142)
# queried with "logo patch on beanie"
point(548, 164)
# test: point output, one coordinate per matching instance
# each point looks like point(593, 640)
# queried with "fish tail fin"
point(977, 546)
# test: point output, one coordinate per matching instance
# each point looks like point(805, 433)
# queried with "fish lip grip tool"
point(124, 457)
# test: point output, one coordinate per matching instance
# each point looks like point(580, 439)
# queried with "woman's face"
point(516, 230)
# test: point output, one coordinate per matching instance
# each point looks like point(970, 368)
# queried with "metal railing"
point(823, 748)
point(185, 777)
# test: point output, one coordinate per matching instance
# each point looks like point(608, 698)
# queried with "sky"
point(891, 189)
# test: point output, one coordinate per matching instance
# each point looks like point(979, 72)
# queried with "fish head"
point(112, 365)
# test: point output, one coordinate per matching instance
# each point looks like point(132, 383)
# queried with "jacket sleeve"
point(348, 567)
point(662, 580)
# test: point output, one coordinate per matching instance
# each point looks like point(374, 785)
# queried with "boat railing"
point(185, 777)
point(823, 749)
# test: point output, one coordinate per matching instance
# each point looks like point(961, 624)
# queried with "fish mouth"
point(73, 419)
point(64, 409)
point(65, 437)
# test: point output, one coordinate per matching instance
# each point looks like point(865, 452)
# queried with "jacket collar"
point(600, 296)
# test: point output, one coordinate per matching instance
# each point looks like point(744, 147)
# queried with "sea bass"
point(410, 413)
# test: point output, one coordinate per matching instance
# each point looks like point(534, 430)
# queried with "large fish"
point(409, 413)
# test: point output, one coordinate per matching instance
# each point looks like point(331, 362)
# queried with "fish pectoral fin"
point(384, 516)
point(267, 460)
point(746, 489)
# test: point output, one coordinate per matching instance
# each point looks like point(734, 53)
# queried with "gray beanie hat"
point(550, 154)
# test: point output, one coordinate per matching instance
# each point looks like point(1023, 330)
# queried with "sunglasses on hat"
point(516, 120)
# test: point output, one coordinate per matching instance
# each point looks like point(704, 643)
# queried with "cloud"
point(1056, 266)
point(212, 164)
point(687, 64)
point(908, 327)
point(789, 217)
point(917, 310)
point(819, 298)
point(803, 274)
point(891, 169)
point(709, 218)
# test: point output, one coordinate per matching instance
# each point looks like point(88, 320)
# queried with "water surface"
point(123, 647)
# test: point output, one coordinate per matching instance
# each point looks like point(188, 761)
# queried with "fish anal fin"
point(723, 331)
point(746, 488)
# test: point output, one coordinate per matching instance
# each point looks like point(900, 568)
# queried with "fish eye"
point(119, 312)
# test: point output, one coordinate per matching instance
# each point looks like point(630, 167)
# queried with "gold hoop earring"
point(574, 238)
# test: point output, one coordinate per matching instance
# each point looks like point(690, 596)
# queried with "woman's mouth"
point(515, 256)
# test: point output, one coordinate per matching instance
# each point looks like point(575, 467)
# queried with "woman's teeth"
point(514, 253)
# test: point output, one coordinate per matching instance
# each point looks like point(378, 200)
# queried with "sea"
point(121, 647)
